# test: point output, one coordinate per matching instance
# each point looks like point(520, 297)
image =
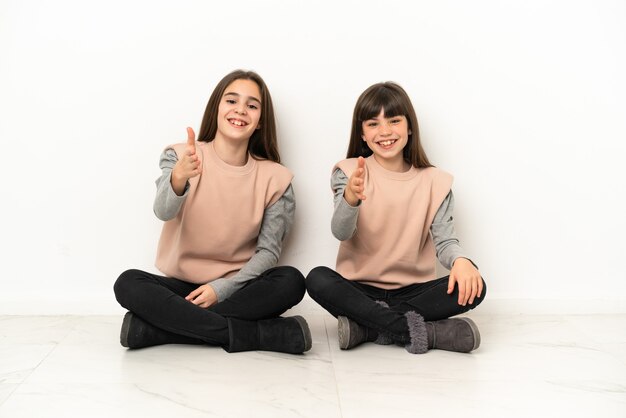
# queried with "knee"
point(124, 284)
point(484, 292)
point(318, 280)
point(291, 281)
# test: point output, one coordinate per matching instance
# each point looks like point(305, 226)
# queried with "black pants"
point(161, 301)
point(357, 301)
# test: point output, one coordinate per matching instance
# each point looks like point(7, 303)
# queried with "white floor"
point(527, 366)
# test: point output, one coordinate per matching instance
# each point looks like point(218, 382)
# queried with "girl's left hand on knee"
point(204, 296)
point(468, 279)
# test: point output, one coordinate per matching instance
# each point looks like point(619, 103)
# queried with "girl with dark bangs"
point(228, 205)
point(393, 216)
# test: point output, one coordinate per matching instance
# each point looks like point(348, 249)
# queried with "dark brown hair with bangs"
point(391, 98)
point(263, 143)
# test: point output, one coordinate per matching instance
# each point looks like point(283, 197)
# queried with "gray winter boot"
point(454, 334)
point(352, 333)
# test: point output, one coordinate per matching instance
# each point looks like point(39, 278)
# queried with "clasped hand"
point(204, 296)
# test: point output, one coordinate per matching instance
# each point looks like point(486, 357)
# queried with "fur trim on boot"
point(417, 332)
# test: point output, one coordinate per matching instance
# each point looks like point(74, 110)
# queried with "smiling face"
point(387, 137)
point(239, 111)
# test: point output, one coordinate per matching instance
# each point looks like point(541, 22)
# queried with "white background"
point(523, 101)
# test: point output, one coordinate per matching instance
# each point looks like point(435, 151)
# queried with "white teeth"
point(237, 122)
point(386, 143)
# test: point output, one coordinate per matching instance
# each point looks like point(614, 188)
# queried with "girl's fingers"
point(191, 143)
point(468, 292)
point(194, 294)
point(191, 137)
point(462, 291)
point(192, 167)
point(451, 281)
point(199, 299)
point(473, 292)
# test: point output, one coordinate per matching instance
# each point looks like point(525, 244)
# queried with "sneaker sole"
point(475, 332)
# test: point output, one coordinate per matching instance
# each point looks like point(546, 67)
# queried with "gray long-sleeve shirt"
point(277, 221)
point(344, 220)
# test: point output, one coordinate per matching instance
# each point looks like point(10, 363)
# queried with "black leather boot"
point(285, 335)
point(453, 334)
point(137, 333)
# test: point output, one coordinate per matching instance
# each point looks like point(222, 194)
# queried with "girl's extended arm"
point(277, 221)
point(167, 203)
point(173, 184)
point(343, 224)
point(187, 166)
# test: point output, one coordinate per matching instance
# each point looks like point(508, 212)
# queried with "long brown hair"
point(391, 98)
point(263, 143)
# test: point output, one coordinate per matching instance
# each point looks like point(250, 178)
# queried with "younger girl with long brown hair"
point(393, 216)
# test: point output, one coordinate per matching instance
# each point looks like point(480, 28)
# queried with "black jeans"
point(161, 301)
point(357, 301)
